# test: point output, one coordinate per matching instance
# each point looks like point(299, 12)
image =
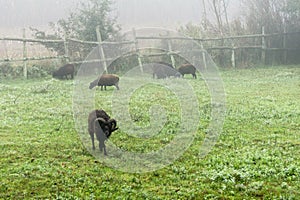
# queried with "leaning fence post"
point(137, 50)
point(66, 47)
point(203, 55)
point(99, 39)
point(221, 60)
point(170, 51)
point(24, 54)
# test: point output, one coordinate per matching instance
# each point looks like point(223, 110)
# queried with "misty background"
point(18, 14)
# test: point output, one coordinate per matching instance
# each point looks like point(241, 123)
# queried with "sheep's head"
point(54, 74)
point(93, 84)
point(178, 75)
point(107, 127)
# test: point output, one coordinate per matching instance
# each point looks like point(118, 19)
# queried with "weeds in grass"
point(257, 155)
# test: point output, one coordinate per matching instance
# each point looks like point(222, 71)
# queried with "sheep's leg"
point(117, 86)
point(101, 87)
point(194, 76)
point(93, 140)
point(102, 147)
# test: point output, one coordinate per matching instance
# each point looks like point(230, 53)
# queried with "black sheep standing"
point(187, 69)
point(100, 123)
point(105, 80)
point(64, 71)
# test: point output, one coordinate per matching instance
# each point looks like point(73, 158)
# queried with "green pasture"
point(257, 156)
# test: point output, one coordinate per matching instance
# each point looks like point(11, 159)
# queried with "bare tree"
point(204, 20)
point(264, 13)
point(226, 14)
point(219, 8)
point(217, 12)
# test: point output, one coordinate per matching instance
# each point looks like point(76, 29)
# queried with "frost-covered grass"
point(256, 156)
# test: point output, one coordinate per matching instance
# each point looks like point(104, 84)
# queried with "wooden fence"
point(204, 42)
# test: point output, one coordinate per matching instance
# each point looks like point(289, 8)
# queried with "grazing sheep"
point(100, 123)
point(163, 70)
point(187, 69)
point(106, 80)
point(64, 71)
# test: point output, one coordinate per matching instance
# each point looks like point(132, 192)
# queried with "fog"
point(166, 13)
point(25, 13)
point(18, 14)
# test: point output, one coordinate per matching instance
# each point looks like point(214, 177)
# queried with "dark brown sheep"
point(187, 69)
point(64, 71)
point(106, 80)
point(100, 123)
point(163, 70)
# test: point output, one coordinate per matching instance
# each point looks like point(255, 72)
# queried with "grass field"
point(256, 157)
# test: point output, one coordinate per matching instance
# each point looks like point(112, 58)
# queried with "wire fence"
point(232, 50)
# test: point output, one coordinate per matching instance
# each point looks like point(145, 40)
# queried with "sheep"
point(163, 70)
point(106, 80)
point(64, 71)
point(100, 123)
point(187, 69)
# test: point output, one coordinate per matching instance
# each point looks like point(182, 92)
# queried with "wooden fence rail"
point(201, 41)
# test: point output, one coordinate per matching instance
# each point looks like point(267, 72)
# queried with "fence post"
point(66, 47)
point(284, 45)
point(221, 59)
point(137, 50)
point(99, 39)
point(24, 54)
point(170, 51)
point(233, 57)
point(203, 55)
point(263, 46)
